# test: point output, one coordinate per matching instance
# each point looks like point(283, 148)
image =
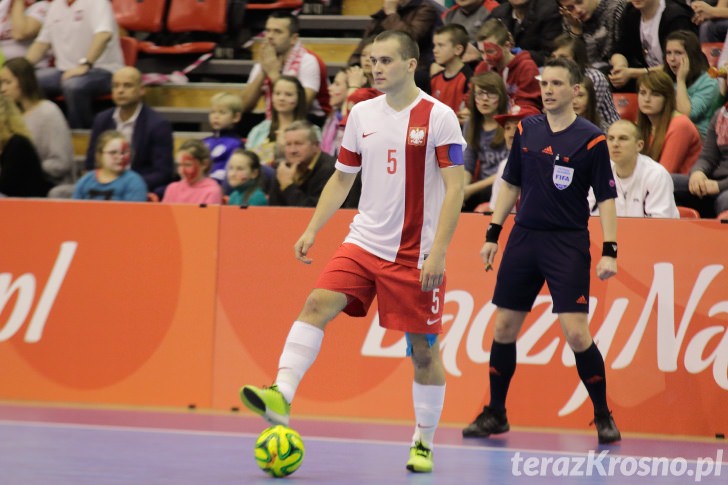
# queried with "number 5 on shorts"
point(435, 301)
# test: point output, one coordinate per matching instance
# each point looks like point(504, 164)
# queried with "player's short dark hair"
point(458, 34)
point(408, 48)
point(576, 75)
point(293, 26)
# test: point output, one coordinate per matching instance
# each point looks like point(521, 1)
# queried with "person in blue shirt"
point(112, 179)
point(554, 160)
point(225, 113)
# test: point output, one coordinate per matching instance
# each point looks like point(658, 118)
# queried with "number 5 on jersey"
point(391, 161)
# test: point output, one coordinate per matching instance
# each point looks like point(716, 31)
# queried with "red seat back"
point(688, 213)
point(712, 51)
point(130, 49)
point(197, 16)
point(139, 15)
point(626, 104)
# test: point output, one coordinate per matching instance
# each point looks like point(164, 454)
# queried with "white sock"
point(428, 401)
point(299, 352)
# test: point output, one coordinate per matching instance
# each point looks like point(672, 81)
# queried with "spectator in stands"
point(670, 137)
point(360, 75)
point(597, 23)
point(712, 19)
point(451, 83)
point(333, 130)
point(519, 70)
point(193, 166)
point(486, 145)
point(48, 127)
point(21, 174)
point(585, 104)
point(112, 179)
point(471, 14)
point(20, 22)
point(533, 25)
point(245, 178)
point(575, 49)
point(509, 122)
point(696, 93)
point(360, 80)
point(418, 18)
point(289, 105)
point(149, 132)
point(305, 169)
point(282, 53)
point(84, 38)
point(226, 110)
point(644, 188)
point(706, 187)
point(643, 33)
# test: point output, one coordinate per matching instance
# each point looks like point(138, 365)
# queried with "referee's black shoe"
point(490, 421)
point(606, 428)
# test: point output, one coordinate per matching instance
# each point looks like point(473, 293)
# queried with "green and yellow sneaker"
point(268, 402)
point(420, 459)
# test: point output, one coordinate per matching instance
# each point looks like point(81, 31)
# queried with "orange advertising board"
point(107, 302)
point(162, 305)
point(661, 324)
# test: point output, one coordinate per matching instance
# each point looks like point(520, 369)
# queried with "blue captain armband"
point(449, 155)
point(455, 154)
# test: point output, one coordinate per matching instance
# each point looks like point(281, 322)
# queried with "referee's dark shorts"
point(560, 257)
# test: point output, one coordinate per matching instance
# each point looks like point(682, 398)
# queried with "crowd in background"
point(481, 58)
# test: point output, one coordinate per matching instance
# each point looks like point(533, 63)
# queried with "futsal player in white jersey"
point(408, 147)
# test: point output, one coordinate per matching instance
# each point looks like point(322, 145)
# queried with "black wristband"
point(609, 249)
point(493, 232)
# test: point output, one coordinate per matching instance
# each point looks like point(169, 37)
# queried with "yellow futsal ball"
point(279, 451)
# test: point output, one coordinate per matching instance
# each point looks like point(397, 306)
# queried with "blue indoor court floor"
point(42, 444)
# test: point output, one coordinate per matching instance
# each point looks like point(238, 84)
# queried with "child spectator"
point(585, 104)
point(112, 179)
point(697, 95)
point(486, 146)
point(46, 123)
point(670, 137)
point(193, 166)
point(225, 113)
point(245, 178)
point(450, 83)
point(519, 70)
point(509, 122)
point(21, 174)
point(288, 105)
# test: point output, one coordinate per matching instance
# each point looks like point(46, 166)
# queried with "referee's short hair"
point(408, 48)
point(576, 74)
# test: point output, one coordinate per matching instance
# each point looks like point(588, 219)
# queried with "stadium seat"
point(688, 213)
point(130, 49)
point(626, 104)
point(139, 15)
point(712, 51)
point(185, 16)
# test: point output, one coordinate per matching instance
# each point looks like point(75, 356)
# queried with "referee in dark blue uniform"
point(554, 160)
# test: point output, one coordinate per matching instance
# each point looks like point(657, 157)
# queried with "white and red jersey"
point(400, 154)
